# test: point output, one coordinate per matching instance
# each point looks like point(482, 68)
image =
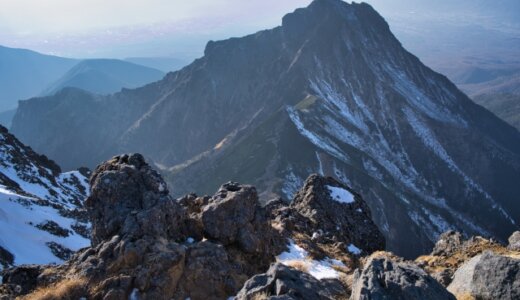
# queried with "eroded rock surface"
point(152, 246)
point(147, 245)
point(388, 277)
point(282, 282)
point(488, 276)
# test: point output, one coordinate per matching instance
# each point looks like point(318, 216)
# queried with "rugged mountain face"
point(41, 220)
point(330, 91)
point(104, 76)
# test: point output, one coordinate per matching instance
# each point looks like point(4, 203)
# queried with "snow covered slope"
point(41, 220)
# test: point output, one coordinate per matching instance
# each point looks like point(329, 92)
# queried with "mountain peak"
point(332, 19)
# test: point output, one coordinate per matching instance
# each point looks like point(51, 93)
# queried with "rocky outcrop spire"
point(336, 214)
point(123, 188)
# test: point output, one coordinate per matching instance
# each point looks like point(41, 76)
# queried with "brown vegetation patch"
point(74, 288)
point(470, 249)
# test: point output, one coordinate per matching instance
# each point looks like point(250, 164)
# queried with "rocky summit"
point(145, 244)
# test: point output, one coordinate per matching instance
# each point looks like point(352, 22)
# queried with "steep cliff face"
point(331, 91)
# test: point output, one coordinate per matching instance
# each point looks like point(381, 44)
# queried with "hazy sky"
point(181, 28)
point(122, 28)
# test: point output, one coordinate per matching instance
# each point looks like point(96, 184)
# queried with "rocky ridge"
point(148, 245)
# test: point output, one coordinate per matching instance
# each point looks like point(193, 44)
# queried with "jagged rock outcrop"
point(334, 213)
point(151, 246)
point(328, 220)
point(130, 198)
point(148, 245)
point(488, 276)
point(282, 282)
point(387, 277)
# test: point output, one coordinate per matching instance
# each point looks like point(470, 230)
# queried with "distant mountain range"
point(104, 76)
point(165, 64)
point(331, 91)
point(25, 73)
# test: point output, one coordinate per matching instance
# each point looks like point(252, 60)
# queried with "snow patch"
point(318, 141)
point(18, 215)
point(340, 194)
point(353, 249)
point(318, 269)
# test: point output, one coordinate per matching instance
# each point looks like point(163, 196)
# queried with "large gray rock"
point(123, 186)
point(282, 282)
point(384, 277)
point(330, 220)
point(234, 216)
point(488, 276)
point(229, 211)
point(514, 241)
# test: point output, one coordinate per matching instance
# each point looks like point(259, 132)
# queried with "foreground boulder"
point(388, 277)
point(282, 282)
point(488, 276)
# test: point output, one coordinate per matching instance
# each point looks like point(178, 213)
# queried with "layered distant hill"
point(165, 64)
point(330, 91)
point(25, 73)
point(104, 76)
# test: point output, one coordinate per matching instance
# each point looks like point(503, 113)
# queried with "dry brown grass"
point(277, 226)
point(434, 264)
point(464, 297)
point(300, 265)
point(70, 289)
point(260, 296)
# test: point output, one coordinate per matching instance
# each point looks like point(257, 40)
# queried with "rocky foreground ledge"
point(323, 245)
